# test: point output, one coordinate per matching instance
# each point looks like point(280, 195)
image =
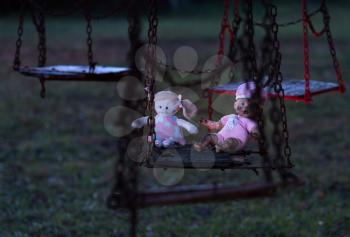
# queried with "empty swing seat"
point(201, 193)
point(196, 194)
point(76, 73)
point(294, 89)
point(188, 158)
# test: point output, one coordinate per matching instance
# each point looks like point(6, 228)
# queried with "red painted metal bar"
point(225, 26)
point(336, 64)
point(210, 105)
point(307, 96)
point(292, 98)
point(206, 193)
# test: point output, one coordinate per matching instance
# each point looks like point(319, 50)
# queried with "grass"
point(57, 160)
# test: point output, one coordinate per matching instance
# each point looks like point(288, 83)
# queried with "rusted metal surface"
point(293, 89)
point(199, 194)
point(206, 193)
point(76, 73)
point(188, 158)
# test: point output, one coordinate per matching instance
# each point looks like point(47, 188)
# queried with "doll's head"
point(245, 104)
point(169, 103)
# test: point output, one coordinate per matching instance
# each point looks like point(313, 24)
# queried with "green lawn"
point(57, 160)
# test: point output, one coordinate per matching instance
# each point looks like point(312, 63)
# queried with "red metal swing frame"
point(309, 91)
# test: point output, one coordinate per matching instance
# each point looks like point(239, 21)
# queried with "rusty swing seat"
point(76, 73)
point(187, 158)
point(202, 193)
point(293, 89)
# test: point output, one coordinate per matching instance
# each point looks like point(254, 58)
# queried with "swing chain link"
point(235, 28)
point(39, 22)
point(42, 40)
point(90, 54)
point(275, 112)
point(246, 43)
point(150, 74)
point(336, 64)
point(307, 96)
point(293, 22)
point(17, 59)
point(253, 70)
point(258, 79)
point(307, 19)
point(225, 26)
point(278, 79)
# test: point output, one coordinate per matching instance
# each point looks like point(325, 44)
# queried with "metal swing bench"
point(91, 72)
point(76, 73)
point(296, 89)
point(187, 158)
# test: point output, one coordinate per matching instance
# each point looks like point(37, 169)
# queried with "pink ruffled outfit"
point(167, 129)
point(236, 126)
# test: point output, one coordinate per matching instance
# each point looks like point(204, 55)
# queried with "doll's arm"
point(254, 133)
point(140, 122)
point(212, 125)
point(187, 125)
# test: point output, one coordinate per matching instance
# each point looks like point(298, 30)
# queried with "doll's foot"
point(167, 143)
point(218, 149)
point(198, 146)
point(158, 143)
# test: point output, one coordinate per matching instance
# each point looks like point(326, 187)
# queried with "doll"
point(168, 127)
point(234, 130)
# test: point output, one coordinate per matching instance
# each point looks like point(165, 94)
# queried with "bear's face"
point(166, 107)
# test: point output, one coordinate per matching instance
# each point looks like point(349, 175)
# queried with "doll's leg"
point(158, 143)
point(167, 142)
point(231, 145)
point(209, 139)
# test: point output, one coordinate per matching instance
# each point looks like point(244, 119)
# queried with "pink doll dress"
point(166, 128)
point(236, 126)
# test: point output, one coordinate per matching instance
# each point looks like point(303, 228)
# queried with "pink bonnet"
point(246, 91)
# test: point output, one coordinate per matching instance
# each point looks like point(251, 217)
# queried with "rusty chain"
point(233, 49)
point(250, 63)
point(266, 46)
point(279, 114)
point(150, 74)
point(336, 64)
point(266, 63)
point(247, 48)
point(17, 60)
point(225, 27)
point(307, 24)
point(90, 54)
point(307, 96)
point(38, 19)
point(290, 23)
